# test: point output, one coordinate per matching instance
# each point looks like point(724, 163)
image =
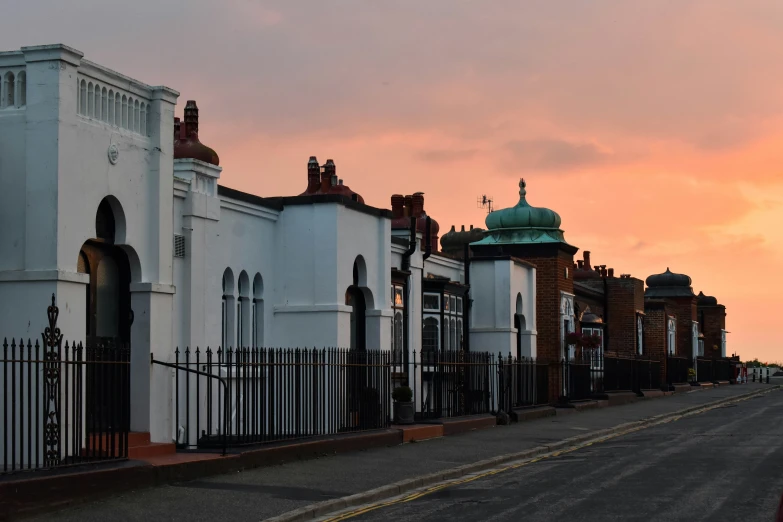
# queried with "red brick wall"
point(655, 334)
point(625, 297)
point(714, 320)
point(685, 309)
point(550, 281)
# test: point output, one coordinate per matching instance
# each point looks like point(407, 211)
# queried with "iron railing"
point(631, 374)
point(455, 383)
point(713, 370)
point(677, 369)
point(579, 377)
point(522, 382)
point(238, 397)
point(63, 404)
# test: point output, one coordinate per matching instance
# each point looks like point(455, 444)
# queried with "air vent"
point(179, 245)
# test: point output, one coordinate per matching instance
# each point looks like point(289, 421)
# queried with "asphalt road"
point(725, 464)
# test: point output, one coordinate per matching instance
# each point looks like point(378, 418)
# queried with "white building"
point(140, 243)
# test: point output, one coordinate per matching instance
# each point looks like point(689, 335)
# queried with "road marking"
point(456, 482)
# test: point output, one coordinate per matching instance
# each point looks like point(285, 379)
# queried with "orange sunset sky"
point(653, 127)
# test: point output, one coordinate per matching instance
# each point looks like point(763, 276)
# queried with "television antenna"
point(485, 202)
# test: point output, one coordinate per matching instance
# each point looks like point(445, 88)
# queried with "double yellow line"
point(457, 482)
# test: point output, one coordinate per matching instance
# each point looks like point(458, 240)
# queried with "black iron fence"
point(713, 370)
point(455, 383)
point(631, 374)
point(522, 382)
point(677, 369)
point(236, 397)
point(63, 404)
point(579, 378)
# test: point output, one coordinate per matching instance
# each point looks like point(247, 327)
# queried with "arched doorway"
point(354, 297)
point(108, 325)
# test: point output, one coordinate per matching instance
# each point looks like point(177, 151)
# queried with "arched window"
point(9, 88)
point(227, 324)
point(117, 110)
point(243, 310)
point(98, 102)
point(258, 311)
point(130, 114)
point(104, 104)
point(143, 129)
point(110, 107)
point(430, 338)
point(21, 82)
point(83, 98)
point(90, 100)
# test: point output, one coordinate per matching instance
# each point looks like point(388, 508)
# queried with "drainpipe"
point(406, 256)
point(428, 243)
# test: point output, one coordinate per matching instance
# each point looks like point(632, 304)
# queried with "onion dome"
point(589, 317)
point(186, 142)
point(523, 224)
point(706, 300)
point(668, 284)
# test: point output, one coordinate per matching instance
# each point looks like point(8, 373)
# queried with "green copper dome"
point(522, 224)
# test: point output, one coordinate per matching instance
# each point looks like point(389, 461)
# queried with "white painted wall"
point(497, 288)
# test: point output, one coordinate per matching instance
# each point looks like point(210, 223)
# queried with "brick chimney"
point(408, 206)
point(313, 175)
point(398, 205)
point(191, 118)
point(326, 176)
point(587, 260)
point(418, 204)
point(611, 272)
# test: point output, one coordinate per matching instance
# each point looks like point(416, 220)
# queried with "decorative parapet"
point(202, 177)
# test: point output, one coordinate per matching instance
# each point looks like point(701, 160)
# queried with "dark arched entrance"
point(354, 297)
point(108, 326)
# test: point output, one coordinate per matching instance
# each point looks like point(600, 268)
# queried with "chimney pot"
point(471, 227)
point(191, 118)
point(580, 264)
point(463, 228)
point(611, 272)
point(417, 201)
point(409, 206)
point(587, 260)
point(398, 202)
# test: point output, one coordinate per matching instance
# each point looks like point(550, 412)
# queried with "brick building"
point(712, 326)
point(676, 290)
point(618, 301)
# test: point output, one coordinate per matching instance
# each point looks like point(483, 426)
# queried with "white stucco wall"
point(501, 289)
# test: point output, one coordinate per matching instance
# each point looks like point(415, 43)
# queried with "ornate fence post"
point(52, 341)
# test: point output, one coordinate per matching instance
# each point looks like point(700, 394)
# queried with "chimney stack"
point(313, 175)
point(418, 203)
point(580, 264)
point(176, 128)
point(398, 204)
point(409, 206)
point(326, 175)
point(587, 260)
point(611, 272)
point(191, 118)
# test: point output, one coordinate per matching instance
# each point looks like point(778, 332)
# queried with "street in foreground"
point(724, 464)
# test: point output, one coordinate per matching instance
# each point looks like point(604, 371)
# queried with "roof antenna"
point(485, 202)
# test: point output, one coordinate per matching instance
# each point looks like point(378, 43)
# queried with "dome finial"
point(522, 185)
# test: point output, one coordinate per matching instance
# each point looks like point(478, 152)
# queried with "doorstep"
point(457, 425)
point(621, 397)
point(682, 388)
point(706, 385)
point(723, 383)
point(653, 394)
point(419, 432)
point(529, 414)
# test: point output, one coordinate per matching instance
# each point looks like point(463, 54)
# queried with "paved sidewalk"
point(262, 493)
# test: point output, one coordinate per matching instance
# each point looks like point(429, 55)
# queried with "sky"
point(652, 127)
